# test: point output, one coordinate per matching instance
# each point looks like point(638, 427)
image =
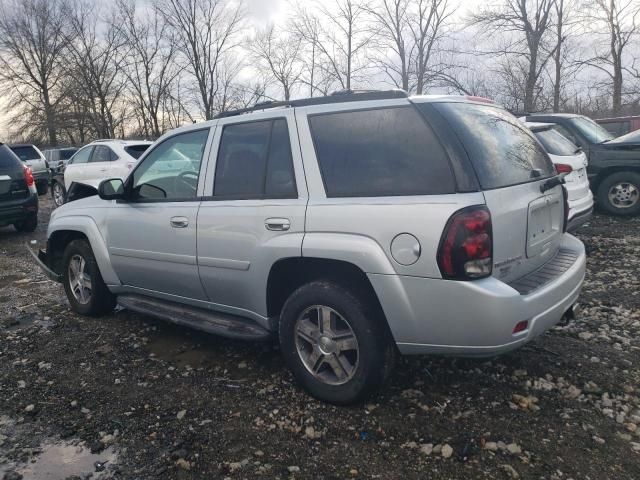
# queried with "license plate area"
point(544, 224)
point(5, 184)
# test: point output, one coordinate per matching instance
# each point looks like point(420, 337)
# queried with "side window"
point(254, 161)
point(380, 152)
point(82, 156)
point(101, 154)
point(172, 168)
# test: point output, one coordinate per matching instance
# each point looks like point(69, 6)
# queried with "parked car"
point(350, 227)
point(569, 159)
point(58, 192)
point(631, 139)
point(614, 168)
point(103, 159)
point(18, 193)
point(58, 158)
point(34, 158)
point(620, 125)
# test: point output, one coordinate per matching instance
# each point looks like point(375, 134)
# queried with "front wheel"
point(57, 193)
point(619, 193)
point(83, 284)
point(335, 342)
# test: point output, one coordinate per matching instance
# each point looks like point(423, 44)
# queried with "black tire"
point(100, 300)
point(29, 224)
point(42, 188)
point(57, 187)
point(628, 180)
point(376, 351)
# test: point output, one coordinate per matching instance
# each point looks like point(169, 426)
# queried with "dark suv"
point(18, 194)
point(614, 167)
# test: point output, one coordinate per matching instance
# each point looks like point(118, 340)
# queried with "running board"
point(226, 325)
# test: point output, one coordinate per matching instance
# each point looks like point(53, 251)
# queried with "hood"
point(76, 207)
point(613, 146)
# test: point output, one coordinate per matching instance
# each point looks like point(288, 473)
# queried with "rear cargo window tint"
point(26, 153)
point(555, 143)
point(502, 150)
point(380, 152)
point(8, 160)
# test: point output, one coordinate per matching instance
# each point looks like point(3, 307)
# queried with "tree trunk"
point(558, 57)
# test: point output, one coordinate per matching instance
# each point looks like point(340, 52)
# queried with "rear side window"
point(136, 150)
point(26, 153)
point(502, 150)
point(380, 152)
point(556, 144)
point(8, 159)
point(254, 161)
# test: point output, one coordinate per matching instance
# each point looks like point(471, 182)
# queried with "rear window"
point(380, 152)
point(26, 153)
point(7, 158)
point(555, 143)
point(68, 153)
point(136, 150)
point(502, 150)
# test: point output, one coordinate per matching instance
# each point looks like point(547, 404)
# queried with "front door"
point(152, 235)
point(254, 211)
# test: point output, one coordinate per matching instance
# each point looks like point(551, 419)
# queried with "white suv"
point(349, 227)
point(103, 159)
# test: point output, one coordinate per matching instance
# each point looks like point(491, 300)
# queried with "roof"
point(123, 142)
point(18, 145)
point(557, 115)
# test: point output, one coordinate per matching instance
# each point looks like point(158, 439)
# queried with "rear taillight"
point(466, 246)
point(28, 176)
point(563, 168)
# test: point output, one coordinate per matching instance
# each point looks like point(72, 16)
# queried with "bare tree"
point(32, 45)
point(279, 55)
point(97, 52)
point(527, 22)
point(205, 31)
point(150, 67)
point(618, 21)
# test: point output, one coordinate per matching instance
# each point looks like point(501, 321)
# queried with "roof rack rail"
point(339, 96)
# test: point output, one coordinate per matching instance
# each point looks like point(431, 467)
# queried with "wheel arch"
point(606, 172)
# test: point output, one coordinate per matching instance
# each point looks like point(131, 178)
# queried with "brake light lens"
point(466, 246)
point(28, 176)
point(563, 168)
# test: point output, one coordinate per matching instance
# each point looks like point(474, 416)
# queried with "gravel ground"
point(128, 396)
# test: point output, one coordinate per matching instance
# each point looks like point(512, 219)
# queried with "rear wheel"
point(619, 193)
point(57, 193)
point(29, 224)
point(335, 342)
point(83, 284)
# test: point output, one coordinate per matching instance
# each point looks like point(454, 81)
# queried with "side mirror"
point(111, 189)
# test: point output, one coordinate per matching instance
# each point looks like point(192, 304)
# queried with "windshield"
point(629, 137)
point(26, 153)
point(593, 132)
point(555, 143)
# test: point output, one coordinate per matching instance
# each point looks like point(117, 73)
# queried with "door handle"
point(277, 224)
point(179, 222)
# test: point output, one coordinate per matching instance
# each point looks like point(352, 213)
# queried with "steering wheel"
point(188, 178)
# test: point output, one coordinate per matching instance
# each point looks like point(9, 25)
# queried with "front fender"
point(87, 226)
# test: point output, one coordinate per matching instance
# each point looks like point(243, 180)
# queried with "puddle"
point(62, 460)
point(173, 350)
point(26, 320)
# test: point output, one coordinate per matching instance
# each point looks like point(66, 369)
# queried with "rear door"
point(254, 211)
point(511, 167)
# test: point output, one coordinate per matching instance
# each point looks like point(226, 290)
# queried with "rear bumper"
point(16, 210)
point(580, 211)
point(476, 318)
point(579, 219)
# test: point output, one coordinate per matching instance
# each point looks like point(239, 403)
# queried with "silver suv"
point(350, 227)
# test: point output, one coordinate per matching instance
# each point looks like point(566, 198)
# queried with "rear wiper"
point(553, 182)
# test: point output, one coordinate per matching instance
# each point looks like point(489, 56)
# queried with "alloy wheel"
point(624, 195)
point(79, 279)
point(327, 345)
point(58, 194)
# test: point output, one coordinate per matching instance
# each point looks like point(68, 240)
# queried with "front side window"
point(171, 170)
point(82, 156)
point(254, 161)
point(380, 152)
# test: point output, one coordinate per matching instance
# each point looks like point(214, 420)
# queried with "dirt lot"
point(128, 396)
